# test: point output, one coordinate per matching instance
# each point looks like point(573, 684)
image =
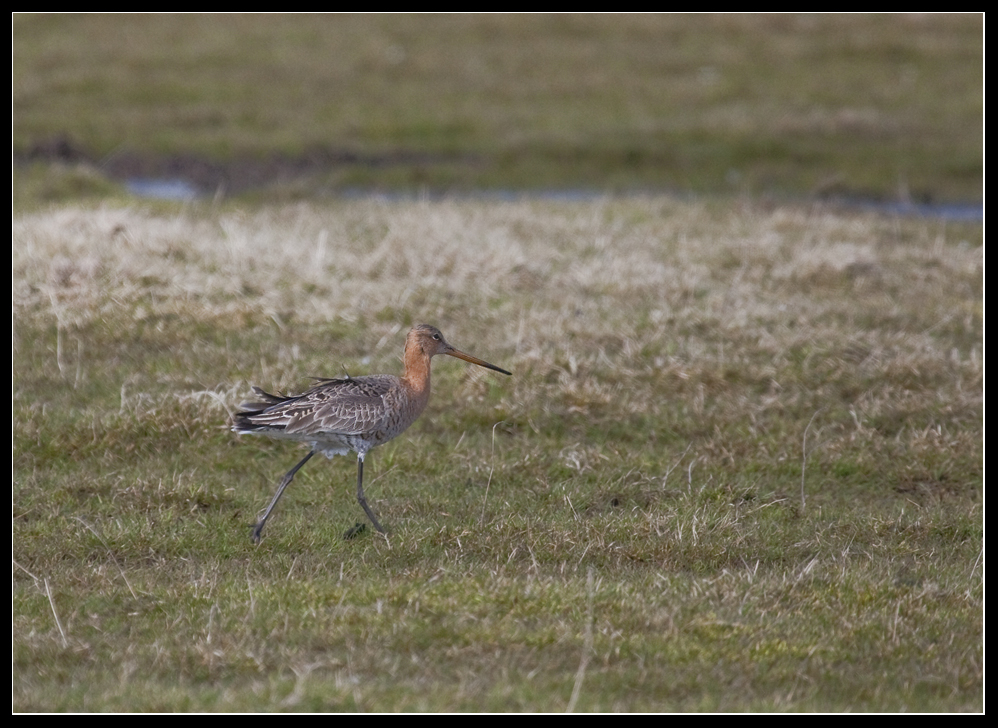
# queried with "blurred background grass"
point(882, 106)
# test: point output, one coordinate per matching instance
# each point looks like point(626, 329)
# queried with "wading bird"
point(338, 416)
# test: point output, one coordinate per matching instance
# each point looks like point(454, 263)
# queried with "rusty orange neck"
point(417, 369)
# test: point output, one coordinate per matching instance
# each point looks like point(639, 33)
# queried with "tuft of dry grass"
point(625, 510)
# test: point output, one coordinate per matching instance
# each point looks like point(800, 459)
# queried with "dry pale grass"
point(543, 268)
point(595, 300)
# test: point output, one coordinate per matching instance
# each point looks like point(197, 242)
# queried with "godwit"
point(356, 413)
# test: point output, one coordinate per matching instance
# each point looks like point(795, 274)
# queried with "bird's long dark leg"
point(360, 493)
point(285, 482)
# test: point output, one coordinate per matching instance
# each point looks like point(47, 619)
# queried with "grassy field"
point(739, 465)
point(889, 106)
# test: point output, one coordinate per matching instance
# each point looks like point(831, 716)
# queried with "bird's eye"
point(436, 337)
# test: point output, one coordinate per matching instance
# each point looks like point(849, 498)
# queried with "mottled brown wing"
point(337, 406)
point(345, 406)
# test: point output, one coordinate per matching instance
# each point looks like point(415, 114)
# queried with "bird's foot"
point(356, 530)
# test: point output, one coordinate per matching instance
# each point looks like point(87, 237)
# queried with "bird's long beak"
point(475, 360)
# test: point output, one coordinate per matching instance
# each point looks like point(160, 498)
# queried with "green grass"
point(883, 105)
point(622, 525)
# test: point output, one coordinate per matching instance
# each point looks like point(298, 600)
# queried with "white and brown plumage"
point(338, 416)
